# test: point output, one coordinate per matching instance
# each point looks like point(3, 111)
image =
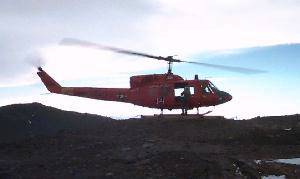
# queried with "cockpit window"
point(206, 90)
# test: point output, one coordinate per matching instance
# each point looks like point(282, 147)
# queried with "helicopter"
point(160, 91)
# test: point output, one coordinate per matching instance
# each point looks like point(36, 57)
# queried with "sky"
point(248, 33)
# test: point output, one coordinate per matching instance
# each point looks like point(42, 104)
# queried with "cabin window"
point(179, 91)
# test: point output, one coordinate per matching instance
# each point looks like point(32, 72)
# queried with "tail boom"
point(108, 94)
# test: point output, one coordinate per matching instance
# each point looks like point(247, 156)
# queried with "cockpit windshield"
point(209, 88)
point(212, 86)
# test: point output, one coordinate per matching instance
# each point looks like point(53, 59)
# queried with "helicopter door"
point(165, 91)
point(180, 89)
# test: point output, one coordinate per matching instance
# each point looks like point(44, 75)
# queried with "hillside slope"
point(21, 121)
point(61, 144)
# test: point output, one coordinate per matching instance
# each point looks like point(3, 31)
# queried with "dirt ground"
point(51, 143)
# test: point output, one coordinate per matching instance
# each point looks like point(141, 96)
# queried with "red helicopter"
point(161, 91)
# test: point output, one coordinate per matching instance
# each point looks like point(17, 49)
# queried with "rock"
point(109, 174)
point(147, 145)
point(126, 149)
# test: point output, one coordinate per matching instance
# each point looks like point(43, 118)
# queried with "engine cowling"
point(142, 80)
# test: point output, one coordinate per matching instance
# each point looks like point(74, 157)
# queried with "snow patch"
point(294, 161)
point(274, 177)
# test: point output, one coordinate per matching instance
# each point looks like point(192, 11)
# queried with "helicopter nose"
point(228, 97)
point(224, 97)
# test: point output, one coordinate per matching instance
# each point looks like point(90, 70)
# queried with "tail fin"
point(49, 82)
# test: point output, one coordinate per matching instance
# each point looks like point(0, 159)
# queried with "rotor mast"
point(170, 67)
point(170, 61)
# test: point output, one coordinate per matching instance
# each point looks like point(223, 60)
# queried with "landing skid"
point(161, 115)
point(180, 117)
point(183, 114)
point(204, 113)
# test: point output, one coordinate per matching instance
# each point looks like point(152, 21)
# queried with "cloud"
point(194, 26)
point(161, 27)
point(69, 63)
point(26, 27)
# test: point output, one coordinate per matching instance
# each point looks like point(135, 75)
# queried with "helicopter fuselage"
point(161, 91)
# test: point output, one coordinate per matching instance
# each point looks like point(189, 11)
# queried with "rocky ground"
point(44, 142)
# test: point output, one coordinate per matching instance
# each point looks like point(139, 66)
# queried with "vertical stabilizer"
point(49, 82)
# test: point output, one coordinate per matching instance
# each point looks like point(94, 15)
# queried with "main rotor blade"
point(82, 43)
point(228, 68)
point(77, 42)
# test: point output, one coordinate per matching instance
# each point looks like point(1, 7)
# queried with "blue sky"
point(255, 34)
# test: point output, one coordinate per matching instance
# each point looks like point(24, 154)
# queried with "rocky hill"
point(21, 121)
point(37, 141)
